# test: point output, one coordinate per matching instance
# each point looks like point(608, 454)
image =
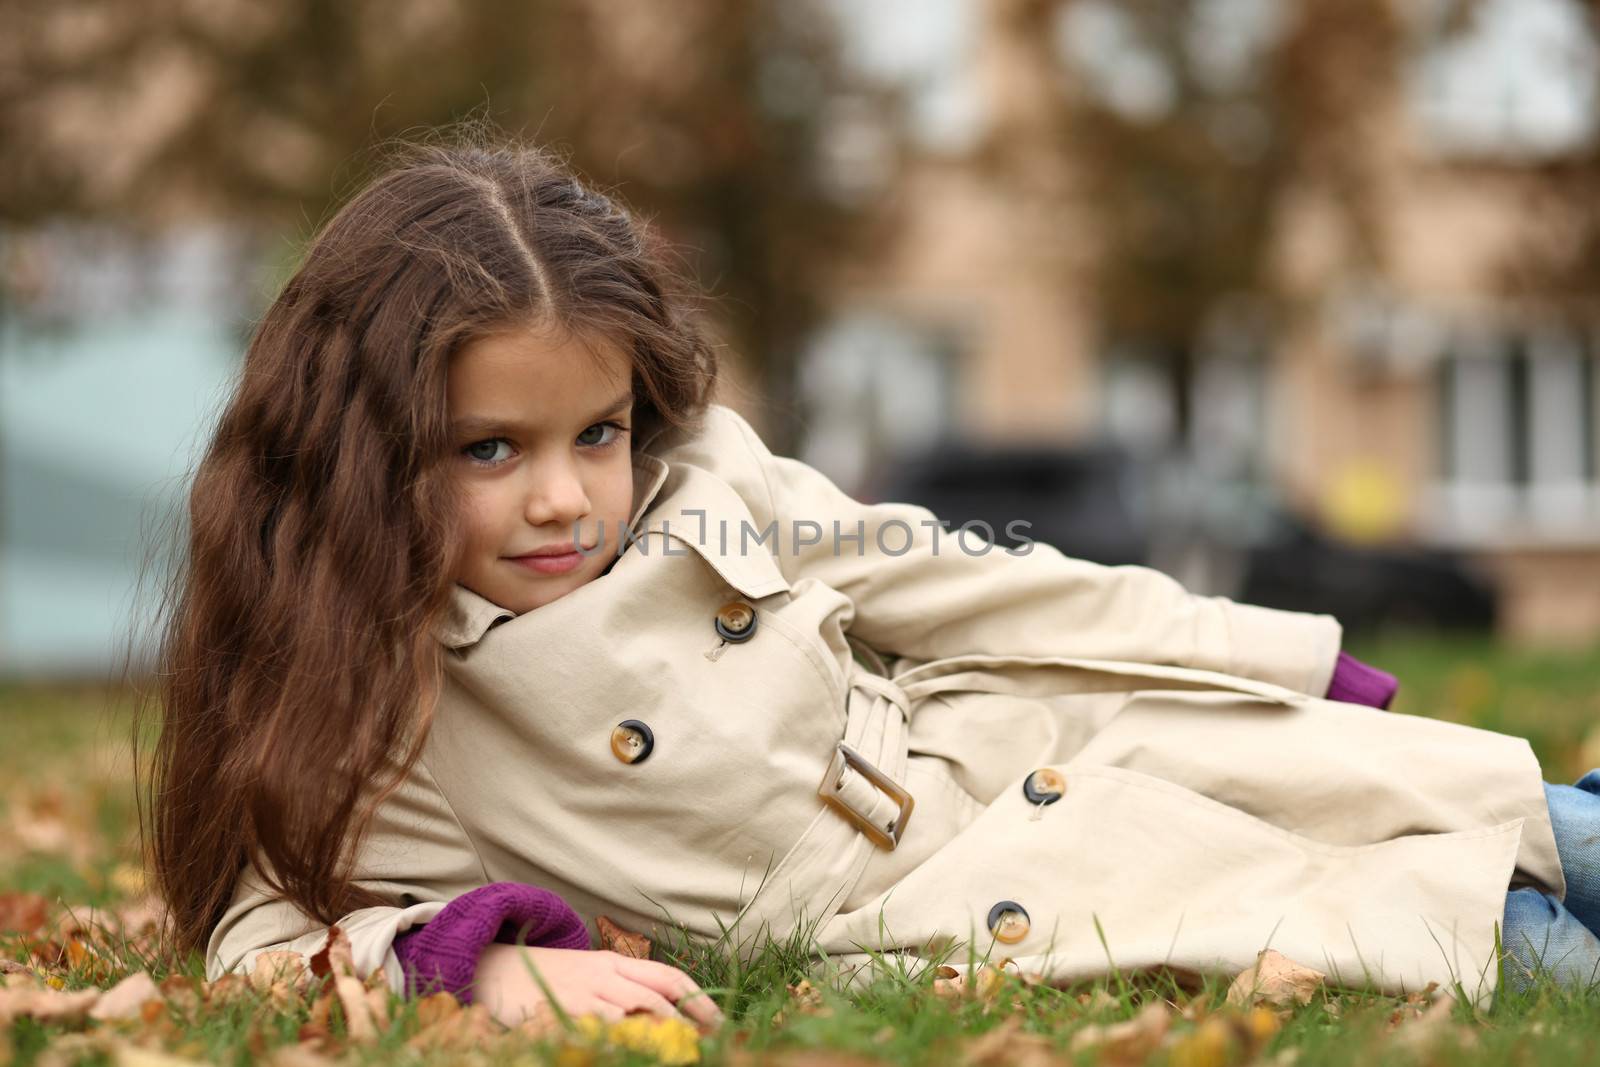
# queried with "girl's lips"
point(550, 564)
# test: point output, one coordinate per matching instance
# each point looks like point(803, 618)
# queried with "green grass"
point(67, 833)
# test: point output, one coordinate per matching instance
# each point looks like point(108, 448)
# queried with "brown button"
point(1044, 786)
point(632, 741)
point(736, 621)
point(1008, 922)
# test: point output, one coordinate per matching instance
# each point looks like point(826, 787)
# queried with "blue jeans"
point(1543, 934)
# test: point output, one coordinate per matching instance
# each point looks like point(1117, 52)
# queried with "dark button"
point(631, 741)
point(736, 621)
point(1008, 922)
point(1044, 786)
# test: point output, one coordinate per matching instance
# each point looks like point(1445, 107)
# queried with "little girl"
point(491, 623)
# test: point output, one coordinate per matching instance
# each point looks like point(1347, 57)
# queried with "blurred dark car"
point(1103, 504)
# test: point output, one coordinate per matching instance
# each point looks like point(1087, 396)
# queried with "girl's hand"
point(586, 983)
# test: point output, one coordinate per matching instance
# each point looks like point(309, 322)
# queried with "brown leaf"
point(1275, 979)
point(1007, 1045)
point(336, 957)
point(1098, 1002)
point(126, 1055)
point(23, 913)
point(1423, 1029)
point(360, 1022)
point(983, 984)
point(141, 916)
point(228, 988)
point(460, 1028)
point(315, 1028)
point(181, 992)
point(804, 999)
point(301, 1055)
point(435, 1008)
point(126, 999)
point(1127, 1042)
point(280, 976)
point(620, 941)
point(45, 1004)
point(1198, 1007)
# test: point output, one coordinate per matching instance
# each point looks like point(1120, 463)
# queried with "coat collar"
point(469, 616)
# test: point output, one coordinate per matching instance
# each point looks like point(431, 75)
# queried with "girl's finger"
point(675, 986)
point(631, 996)
point(596, 1005)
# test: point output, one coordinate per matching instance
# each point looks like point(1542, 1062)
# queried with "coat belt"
point(823, 866)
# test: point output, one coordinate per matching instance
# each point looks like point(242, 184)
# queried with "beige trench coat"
point(1214, 803)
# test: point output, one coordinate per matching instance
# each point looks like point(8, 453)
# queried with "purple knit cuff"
point(1356, 683)
point(443, 954)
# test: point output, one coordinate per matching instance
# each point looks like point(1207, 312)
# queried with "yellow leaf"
point(672, 1041)
point(1208, 1046)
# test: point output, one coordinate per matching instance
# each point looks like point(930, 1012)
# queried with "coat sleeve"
point(922, 591)
point(416, 854)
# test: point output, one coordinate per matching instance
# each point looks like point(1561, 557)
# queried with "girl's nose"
point(556, 496)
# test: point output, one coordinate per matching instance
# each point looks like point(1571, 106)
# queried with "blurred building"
point(1421, 405)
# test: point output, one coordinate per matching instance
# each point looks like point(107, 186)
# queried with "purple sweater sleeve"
point(443, 954)
point(1355, 682)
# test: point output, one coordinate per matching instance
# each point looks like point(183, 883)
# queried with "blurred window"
point(1520, 448)
point(876, 386)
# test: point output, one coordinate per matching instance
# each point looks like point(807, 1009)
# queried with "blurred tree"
point(709, 116)
point(1556, 269)
point(1188, 125)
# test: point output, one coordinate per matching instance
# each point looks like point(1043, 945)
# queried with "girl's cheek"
point(484, 514)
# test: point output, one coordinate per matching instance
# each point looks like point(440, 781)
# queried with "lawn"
point(74, 916)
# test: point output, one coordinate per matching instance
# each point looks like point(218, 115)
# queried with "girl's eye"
point(587, 439)
point(487, 452)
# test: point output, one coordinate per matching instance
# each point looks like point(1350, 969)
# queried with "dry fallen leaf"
point(361, 1021)
point(335, 957)
point(182, 992)
point(280, 976)
point(621, 941)
point(126, 999)
point(1099, 1001)
point(1198, 1007)
point(315, 1028)
point(1211, 1044)
point(1131, 1041)
point(804, 999)
point(1275, 979)
point(34, 1001)
point(126, 1055)
point(1008, 1045)
point(1420, 1032)
point(302, 1055)
point(23, 913)
point(983, 984)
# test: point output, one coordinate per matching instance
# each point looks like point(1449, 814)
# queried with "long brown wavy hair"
point(296, 669)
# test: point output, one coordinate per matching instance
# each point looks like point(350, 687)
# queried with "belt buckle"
point(886, 837)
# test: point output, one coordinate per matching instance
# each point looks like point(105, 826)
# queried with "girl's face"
point(540, 429)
